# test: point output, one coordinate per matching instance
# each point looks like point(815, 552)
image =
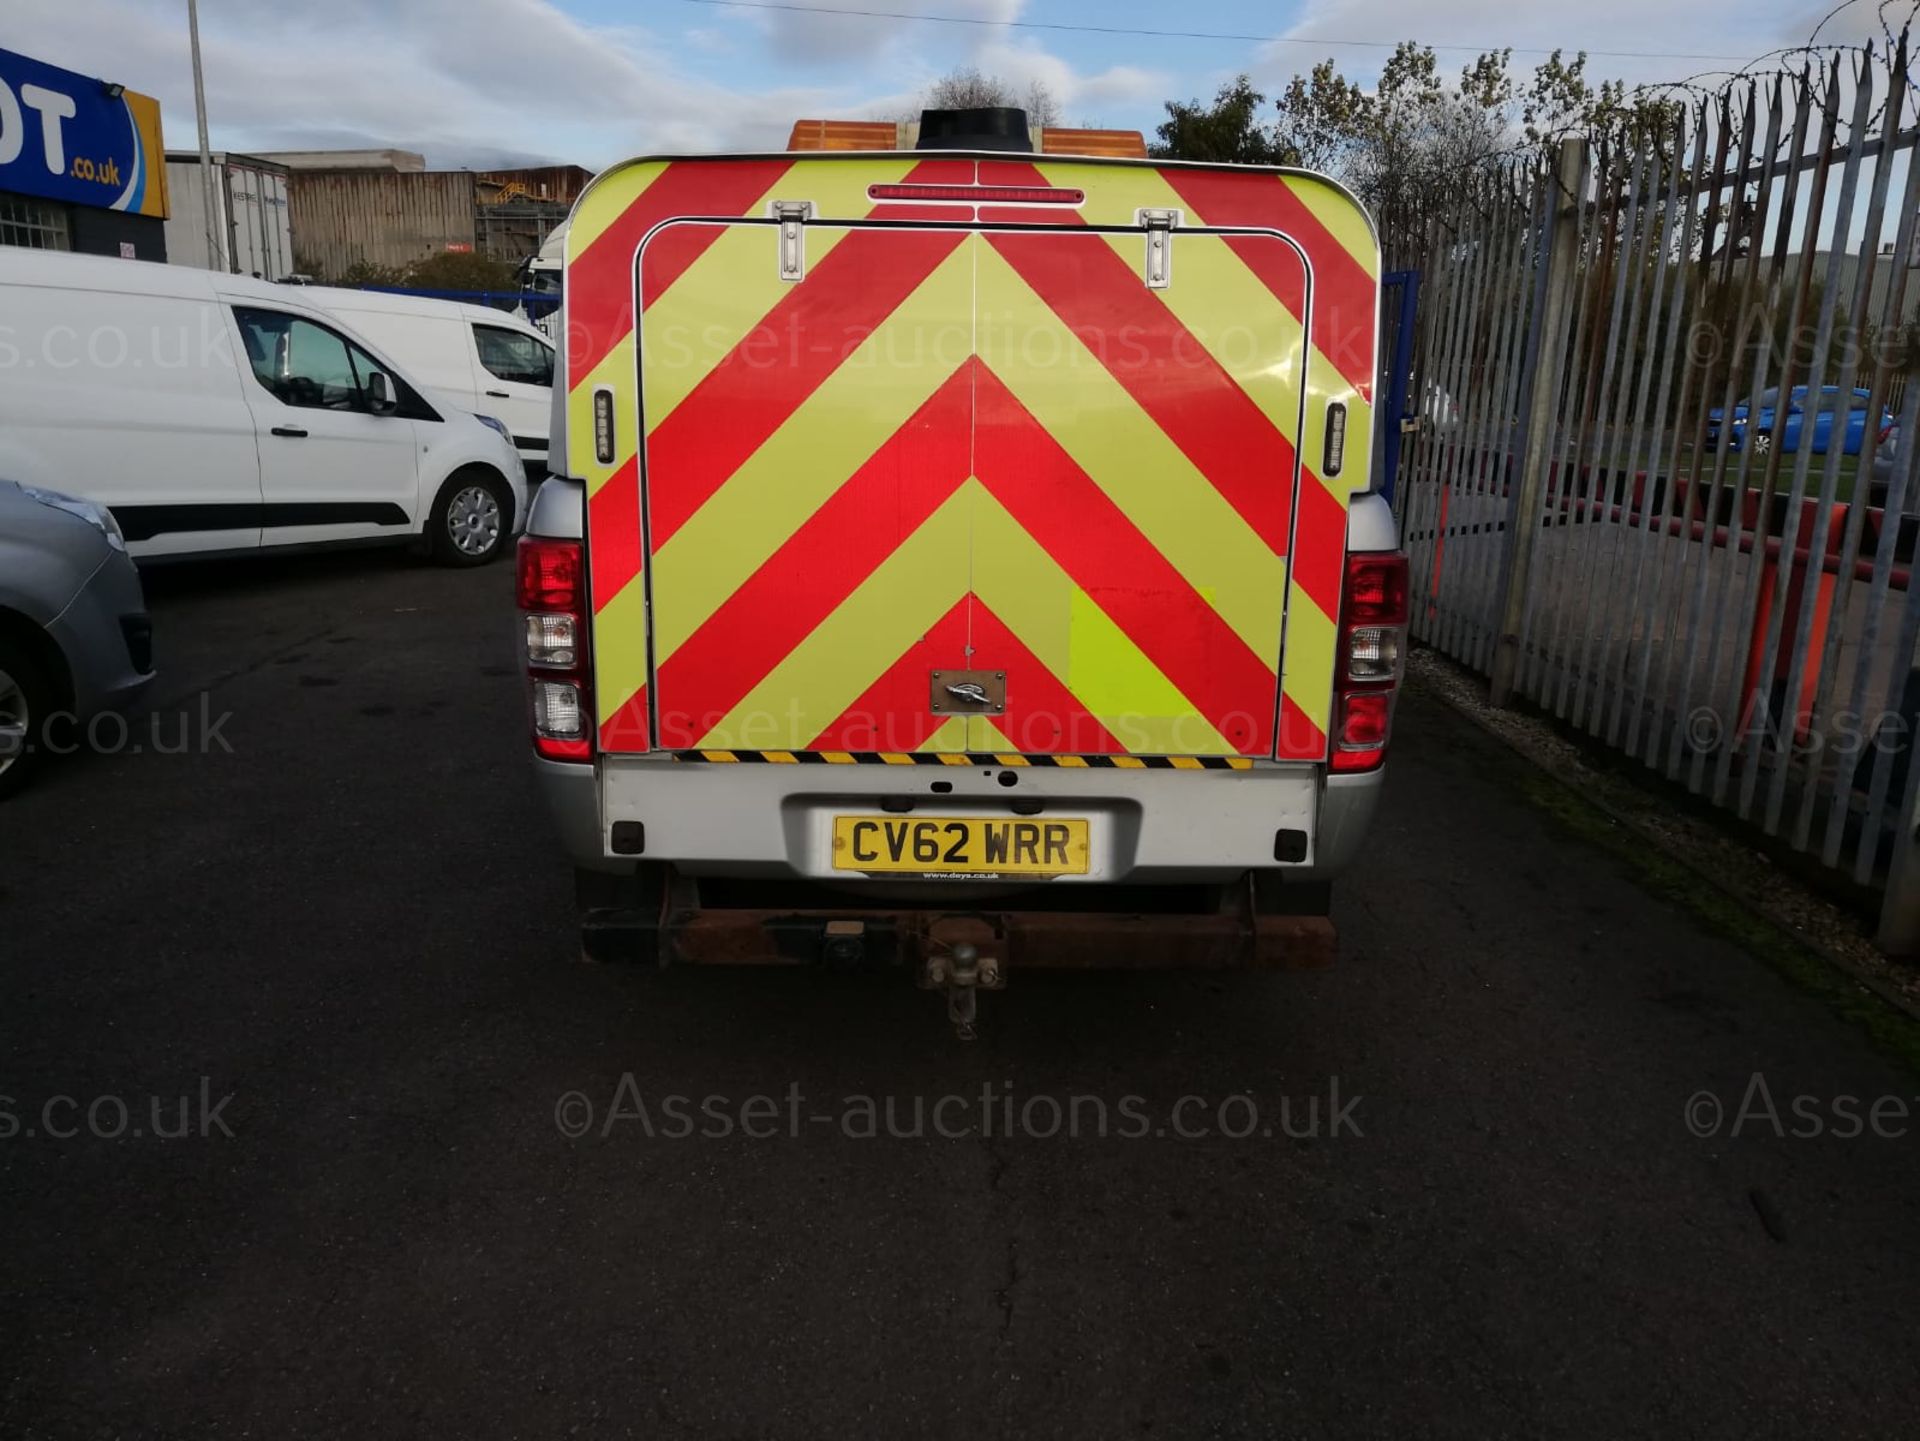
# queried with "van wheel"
point(472, 517)
point(26, 703)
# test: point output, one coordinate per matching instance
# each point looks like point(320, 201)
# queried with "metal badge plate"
point(968, 692)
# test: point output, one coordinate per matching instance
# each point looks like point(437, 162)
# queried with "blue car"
point(1765, 426)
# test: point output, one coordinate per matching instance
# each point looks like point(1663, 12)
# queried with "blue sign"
point(68, 137)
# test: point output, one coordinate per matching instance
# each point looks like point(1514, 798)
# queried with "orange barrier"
point(1797, 566)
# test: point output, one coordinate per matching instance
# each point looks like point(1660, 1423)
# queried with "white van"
point(215, 413)
point(542, 277)
point(486, 360)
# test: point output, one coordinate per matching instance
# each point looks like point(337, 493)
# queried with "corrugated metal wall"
point(378, 217)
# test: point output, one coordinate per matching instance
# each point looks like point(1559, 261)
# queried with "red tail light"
point(980, 194)
point(1373, 639)
point(550, 589)
point(548, 575)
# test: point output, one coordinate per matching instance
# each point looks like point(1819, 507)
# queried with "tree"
point(1417, 140)
point(1228, 131)
point(1321, 120)
point(460, 270)
point(967, 89)
point(361, 272)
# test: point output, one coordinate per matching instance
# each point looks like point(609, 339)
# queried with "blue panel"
point(65, 137)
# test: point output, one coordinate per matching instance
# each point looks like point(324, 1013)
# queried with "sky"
point(484, 83)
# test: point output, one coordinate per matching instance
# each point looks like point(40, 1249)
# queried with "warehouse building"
point(360, 210)
point(386, 219)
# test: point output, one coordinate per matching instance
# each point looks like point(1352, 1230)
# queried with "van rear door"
point(1135, 450)
point(806, 472)
point(973, 489)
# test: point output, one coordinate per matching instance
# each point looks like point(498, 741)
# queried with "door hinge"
point(793, 215)
point(1159, 225)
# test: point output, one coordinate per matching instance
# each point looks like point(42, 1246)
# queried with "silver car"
point(1885, 456)
point(75, 640)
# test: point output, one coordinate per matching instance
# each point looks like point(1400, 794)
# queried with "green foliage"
point(459, 270)
point(1558, 101)
point(365, 272)
point(1321, 118)
point(1228, 131)
point(449, 270)
point(1414, 142)
point(968, 89)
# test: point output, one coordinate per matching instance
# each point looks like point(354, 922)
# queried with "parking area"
point(435, 1175)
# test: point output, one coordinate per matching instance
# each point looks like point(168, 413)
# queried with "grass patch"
point(1702, 461)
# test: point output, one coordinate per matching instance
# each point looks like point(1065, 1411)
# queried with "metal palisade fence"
point(1663, 481)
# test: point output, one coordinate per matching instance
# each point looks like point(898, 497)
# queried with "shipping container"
point(250, 215)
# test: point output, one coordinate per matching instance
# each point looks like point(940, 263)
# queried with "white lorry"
point(250, 215)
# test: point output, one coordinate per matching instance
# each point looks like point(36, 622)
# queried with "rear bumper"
point(1250, 923)
point(773, 822)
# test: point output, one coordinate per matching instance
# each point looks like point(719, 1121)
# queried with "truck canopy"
point(916, 457)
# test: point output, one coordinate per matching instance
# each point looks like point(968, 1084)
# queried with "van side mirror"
point(380, 393)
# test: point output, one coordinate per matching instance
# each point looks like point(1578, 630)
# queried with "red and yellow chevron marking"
point(953, 448)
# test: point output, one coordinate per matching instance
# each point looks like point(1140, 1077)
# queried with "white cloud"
point(481, 82)
point(1669, 33)
point(466, 81)
point(816, 37)
point(1023, 64)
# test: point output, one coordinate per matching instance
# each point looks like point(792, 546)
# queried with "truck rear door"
point(1134, 447)
point(806, 454)
point(1002, 488)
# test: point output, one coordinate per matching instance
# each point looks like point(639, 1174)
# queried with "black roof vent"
point(993, 127)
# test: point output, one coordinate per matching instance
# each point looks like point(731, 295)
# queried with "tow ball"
point(963, 960)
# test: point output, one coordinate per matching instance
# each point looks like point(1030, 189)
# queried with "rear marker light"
point(577, 752)
point(553, 642)
point(550, 590)
point(1373, 628)
point(1373, 654)
point(1289, 846)
point(556, 709)
point(1376, 592)
point(980, 194)
point(547, 575)
point(1336, 451)
point(1368, 715)
point(603, 426)
point(1366, 720)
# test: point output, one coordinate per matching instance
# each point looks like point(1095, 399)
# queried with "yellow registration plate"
point(952, 846)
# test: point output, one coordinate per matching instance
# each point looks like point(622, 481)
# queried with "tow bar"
point(963, 953)
point(963, 958)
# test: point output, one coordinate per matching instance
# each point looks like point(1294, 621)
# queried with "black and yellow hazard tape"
point(967, 758)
